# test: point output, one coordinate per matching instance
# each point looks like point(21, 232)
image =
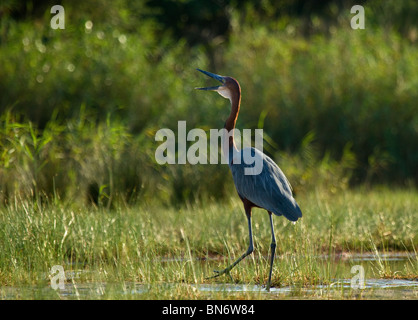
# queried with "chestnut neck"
point(232, 119)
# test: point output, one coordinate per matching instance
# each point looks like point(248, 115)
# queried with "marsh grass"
point(155, 245)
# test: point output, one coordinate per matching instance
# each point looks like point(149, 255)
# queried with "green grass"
point(175, 249)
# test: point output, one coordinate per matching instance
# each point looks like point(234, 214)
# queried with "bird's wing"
point(268, 189)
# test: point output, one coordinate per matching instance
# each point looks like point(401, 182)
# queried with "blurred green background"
point(80, 107)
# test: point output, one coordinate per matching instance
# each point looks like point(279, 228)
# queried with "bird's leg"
point(273, 249)
point(249, 250)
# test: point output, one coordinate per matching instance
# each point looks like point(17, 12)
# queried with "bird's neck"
point(232, 119)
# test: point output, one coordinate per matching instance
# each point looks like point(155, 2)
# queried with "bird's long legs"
point(249, 250)
point(273, 249)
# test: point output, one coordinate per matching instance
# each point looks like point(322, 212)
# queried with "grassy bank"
point(152, 244)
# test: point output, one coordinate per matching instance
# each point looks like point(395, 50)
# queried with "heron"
point(269, 189)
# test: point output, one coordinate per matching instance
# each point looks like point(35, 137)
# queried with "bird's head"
point(227, 89)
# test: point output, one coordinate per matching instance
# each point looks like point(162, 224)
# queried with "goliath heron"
point(269, 189)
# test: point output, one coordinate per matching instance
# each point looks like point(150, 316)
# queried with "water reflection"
point(374, 288)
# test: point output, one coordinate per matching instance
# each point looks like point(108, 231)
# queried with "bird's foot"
point(221, 272)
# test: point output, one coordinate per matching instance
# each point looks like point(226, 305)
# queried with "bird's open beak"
point(214, 76)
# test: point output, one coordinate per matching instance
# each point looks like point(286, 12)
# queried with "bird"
point(269, 189)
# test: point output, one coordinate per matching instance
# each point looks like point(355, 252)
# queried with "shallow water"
point(373, 287)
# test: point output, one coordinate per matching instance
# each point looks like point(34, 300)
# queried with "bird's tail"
point(293, 212)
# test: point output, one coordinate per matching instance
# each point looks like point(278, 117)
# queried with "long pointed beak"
point(214, 76)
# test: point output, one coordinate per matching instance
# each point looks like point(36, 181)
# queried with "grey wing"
point(269, 189)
